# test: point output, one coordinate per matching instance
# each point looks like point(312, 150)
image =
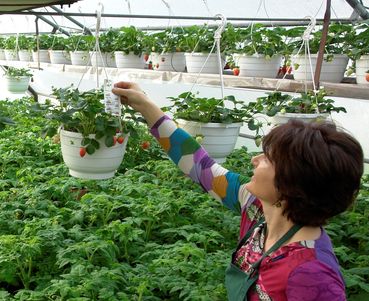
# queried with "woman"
point(306, 174)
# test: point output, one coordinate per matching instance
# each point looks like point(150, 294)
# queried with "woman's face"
point(262, 182)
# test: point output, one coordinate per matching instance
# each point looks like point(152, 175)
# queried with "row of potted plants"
point(86, 129)
point(257, 50)
point(93, 141)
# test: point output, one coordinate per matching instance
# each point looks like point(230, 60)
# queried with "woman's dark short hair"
point(318, 169)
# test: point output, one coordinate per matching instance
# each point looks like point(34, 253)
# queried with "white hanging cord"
point(170, 14)
point(217, 37)
point(83, 30)
point(129, 11)
point(207, 7)
point(99, 12)
point(305, 43)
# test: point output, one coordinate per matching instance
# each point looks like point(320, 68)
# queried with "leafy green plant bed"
point(147, 234)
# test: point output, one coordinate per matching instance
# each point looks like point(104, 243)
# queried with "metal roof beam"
point(359, 8)
point(85, 29)
point(52, 24)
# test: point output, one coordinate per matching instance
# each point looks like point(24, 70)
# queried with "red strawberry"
point(82, 152)
point(236, 71)
point(367, 77)
point(146, 57)
point(120, 139)
point(145, 145)
point(114, 140)
point(157, 66)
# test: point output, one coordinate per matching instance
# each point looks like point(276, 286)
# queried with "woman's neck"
point(278, 225)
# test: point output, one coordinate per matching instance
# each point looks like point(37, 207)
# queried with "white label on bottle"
point(111, 100)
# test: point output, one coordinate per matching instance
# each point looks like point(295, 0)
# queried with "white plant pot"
point(175, 61)
point(103, 60)
point(219, 139)
point(362, 65)
point(130, 60)
point(80, 58)
point(42, 54)
point(25, 55)
point(258, 65)
point(195, 62)
point(17, 84)
point(60, 57)
point(332, 71)
point(11, 55)
point(102, 164)
point(2, 55)
point(280, 118)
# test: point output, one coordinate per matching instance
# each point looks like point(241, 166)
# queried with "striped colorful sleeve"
point(194, 161)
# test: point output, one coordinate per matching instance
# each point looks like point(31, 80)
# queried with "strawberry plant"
point(17, 72)
point(84, 112)
point(131, 39)
point(258, 39)
point(189, 106)
point(80, 43)
point(167, 41)
point(276, 102)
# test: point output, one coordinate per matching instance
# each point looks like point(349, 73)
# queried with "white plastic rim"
point(11, 55)
point(257, 65)
point(195, 61)
point(332, 71)
point(175, 61)
point(25, 55)
point(100, 165)
point(17, 84)
point(219, 139)
point(42, 54)
point(362, 66)
point(80, 58)
point(60, 57)
point(123, 60)
point(280, 118)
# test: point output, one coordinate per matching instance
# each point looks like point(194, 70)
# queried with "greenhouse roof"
point(7, 6)
point(162, 13)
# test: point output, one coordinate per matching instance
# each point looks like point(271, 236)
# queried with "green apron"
point(238, 282)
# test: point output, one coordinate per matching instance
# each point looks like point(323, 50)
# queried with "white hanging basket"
point(219, 139)
point(102, 164)
point(17, 84)
point(25, 55)
point(175, 61)
point(332, 71)
point(60, 57)
point(104, 60)
point(11, 55)
point(280, 118)
point(257, 65)
point(131, 60)
point(195, 61)
point(42, 55)
point(80, 58)
point(362, 66)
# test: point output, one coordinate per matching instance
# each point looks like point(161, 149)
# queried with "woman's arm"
point(184, 151)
